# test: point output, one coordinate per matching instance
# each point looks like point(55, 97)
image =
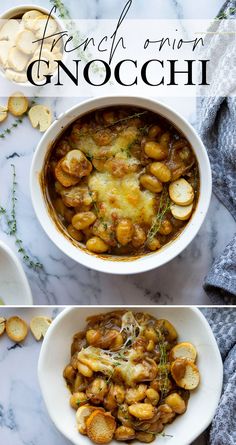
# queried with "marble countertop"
point(62, 281)
point(23, 416)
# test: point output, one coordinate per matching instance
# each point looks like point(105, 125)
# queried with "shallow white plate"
point(14, 286)
point(191, 326)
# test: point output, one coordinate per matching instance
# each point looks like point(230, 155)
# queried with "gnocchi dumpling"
point(76, 164)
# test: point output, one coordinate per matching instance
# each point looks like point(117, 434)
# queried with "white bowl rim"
point(42, 356)
point(21, 272)
point(145, 262)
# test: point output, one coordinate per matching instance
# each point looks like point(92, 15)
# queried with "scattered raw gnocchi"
point(129, 377)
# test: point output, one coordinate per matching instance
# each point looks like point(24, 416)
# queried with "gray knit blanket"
point(217, 128)
point(223, 324)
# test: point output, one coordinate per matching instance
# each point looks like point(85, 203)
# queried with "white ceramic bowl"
point(14, 286)
point(19, 11)
point(109, 264)
point(191, 326)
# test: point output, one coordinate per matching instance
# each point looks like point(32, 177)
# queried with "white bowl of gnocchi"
point(121, 184)
point(85, 408)
point(21, 29)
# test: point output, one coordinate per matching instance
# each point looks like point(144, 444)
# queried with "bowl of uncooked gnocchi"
point(121, 184)
point(21, 29)
point(140, 375)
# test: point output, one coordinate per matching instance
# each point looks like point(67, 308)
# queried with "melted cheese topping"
point(122, 197)
point(119, 144)
point(118, 197)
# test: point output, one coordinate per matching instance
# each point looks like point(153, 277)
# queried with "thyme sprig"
point(164, 207)
point(11, 222)
point(9, 129)
point(164, 380)
point(226, 14)
point(123, 119)
point(64, 14)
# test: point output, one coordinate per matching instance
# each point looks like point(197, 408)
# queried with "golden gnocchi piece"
point(143, 411)
point(124, 433)
point(154, 244)
point(155, 150)
point(151, 183)
point(78, 399)
point(76, 164)
point(97, 245)
point(82, 220)
point(74, 233)
point(169, 330)
point(153, 396)
point(124, 231)
point(176, 403)
point(97, 390)
point(161, 171)
point(85, 370)
point(139, 236)
point(64, 178)
point(137, 394)
point(166, 227)
point(145, 437)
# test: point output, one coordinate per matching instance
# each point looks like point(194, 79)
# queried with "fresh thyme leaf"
point(11, 222)
point(8, 130)
point(164, 207)
point(164, 380)
point(144, 130)
point(77, 37)
point(226, 14)
point(123, 119)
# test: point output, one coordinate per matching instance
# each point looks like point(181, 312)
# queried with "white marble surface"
point(62, 281)
point(23, 416)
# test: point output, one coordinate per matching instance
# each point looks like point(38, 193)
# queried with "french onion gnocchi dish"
point(129, 376)
point(121, 181)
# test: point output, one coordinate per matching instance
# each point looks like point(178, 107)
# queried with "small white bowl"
point(112, 264)
point(191, 326)
point(18, 12)
point(14, 286)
